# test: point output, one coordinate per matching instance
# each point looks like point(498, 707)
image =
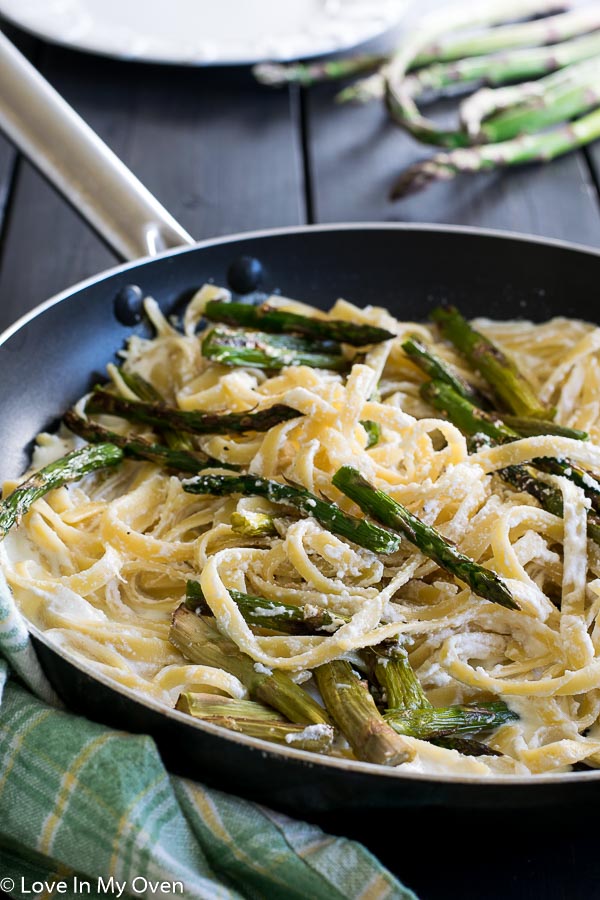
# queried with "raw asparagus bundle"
point(256, 720)
point(201, 642)
point(542, 147)
point(526, 122)
point(376, 503)
point(158, 415)
point(280, 321)
point(360, 531)
point(71, 467)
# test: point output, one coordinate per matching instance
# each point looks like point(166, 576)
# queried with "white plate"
point(205, 32)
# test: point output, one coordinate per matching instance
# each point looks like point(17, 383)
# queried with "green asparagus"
point(175, 440)
point(159, 415)
point(429, 723)
point(140, 448)
point(71, 467)
point(273, 320)
point(271, 351)
point(307, 74)
point(255, 720)
point(373, 430)
point(430, 363)
point(500, 373)
point(199, 641)
point(376, 503)
point(353, 709)
point(473, 421)
point(273, 614)
point(361, 532)
point(527, 148)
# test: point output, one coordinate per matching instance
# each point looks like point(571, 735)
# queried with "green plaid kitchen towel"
point(86, 811)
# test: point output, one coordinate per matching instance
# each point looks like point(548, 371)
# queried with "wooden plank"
point(219, 152)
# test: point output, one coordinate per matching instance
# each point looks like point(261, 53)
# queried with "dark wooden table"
point(225, 155)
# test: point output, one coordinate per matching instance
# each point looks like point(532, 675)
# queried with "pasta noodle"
point(101, 565)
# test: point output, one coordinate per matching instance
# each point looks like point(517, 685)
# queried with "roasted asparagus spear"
point(360, 531)
point(273, 614)
point(256, 720)
point(190, 461)
point(279, 321)
point(271, 351)
point(201, 642)
point(376, 503)
point(159, 416)
point(68, 468)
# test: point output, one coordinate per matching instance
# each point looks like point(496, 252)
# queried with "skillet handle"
point(77, 162)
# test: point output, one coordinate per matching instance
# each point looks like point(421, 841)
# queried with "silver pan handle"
point(71, 155)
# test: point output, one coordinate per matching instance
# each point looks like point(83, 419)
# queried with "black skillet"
point(51, 357)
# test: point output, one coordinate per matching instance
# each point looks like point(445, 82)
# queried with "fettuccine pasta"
point(101, 565)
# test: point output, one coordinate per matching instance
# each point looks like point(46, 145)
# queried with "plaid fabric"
point(95, 810)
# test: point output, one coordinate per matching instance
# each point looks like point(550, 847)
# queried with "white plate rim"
point(354, 28)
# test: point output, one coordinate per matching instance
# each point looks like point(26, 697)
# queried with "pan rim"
point(308, 758)
point(471, 230)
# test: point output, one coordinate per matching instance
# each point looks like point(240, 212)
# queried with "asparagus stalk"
point(395, 674)
point(158, 415)
point(361, 532)
point(535, 105)
point(373, 430)
point(401, 103)
point(501, 374)
point(263, 613)
point(496, 69)
point(473, 421)
point(435, 41)
point(552, 100)
point(68, 468)
point(466, 746)
point(528, 427)
point(374, 502)
point(271, 351)
point(205, 706)
point(307, 74)
point(353, 710)
point(279, 321)
point(175, 440)
point(140, 448)
point(549, 30)
point(541, 147)
point(256, 720)
point(431, 364)
point(410, 712)
point(252, 524)
point(429, 723)
point(199, 641)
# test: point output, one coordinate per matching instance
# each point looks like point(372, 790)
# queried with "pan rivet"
point(129, 304)
point(244, 274)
